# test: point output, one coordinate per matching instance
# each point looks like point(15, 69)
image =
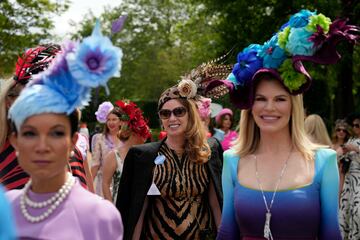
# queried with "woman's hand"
point(349, 147)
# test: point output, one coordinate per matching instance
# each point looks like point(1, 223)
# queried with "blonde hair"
point(316, 130)
point(4, 123)
point(249, 134)
point(196, 145)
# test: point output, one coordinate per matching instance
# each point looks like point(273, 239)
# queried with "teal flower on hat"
point(300, 19)
point(272, 53)
point(299, 43)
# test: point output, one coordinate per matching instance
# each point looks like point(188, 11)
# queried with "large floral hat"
point(199, 82)
point(67, 83)
point(307, 36)
point(35, 60)
point(133, 116)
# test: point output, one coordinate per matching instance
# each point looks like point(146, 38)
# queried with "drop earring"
point(17, 154)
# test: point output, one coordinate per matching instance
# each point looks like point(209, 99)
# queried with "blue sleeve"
point(7, 227)
point(329, 197)
point(228, 228)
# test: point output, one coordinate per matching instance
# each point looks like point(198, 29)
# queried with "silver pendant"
point(267, 231)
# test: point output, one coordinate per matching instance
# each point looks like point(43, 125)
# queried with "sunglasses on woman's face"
point(166, 113)
point(356, 125)
point(341, 130)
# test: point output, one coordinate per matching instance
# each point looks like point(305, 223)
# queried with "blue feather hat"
point(66, 84)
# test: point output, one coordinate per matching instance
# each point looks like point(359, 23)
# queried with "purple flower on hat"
point(103, 111)
point(118, 24)
point(300, 19)
point(95, 61)
point(272, 54)
point(248, 63)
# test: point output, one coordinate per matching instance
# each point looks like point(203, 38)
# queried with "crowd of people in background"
point(275, 174)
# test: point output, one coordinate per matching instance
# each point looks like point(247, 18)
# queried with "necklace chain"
point(267, 231)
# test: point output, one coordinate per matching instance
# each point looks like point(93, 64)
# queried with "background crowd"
point(124, 182)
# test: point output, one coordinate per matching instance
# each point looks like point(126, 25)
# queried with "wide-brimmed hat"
point(223, 112)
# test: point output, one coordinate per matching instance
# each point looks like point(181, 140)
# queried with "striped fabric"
point(182, 211)
point(12, 176)
point(76, 163)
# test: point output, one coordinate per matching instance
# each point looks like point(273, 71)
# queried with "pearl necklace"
point(54, 201)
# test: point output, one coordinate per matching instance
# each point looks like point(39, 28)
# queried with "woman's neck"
point(48, 184)
point(176, 143)
point(226, 130)
point(113, 133)
point(274, 143)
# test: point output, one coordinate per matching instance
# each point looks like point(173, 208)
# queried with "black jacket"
point(137, 176)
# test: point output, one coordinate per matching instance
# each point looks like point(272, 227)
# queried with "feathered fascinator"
point(134, 118)
point(67, 83)
point(103, 111)
point(307, 36)
point(35, 60)
point(199, 83)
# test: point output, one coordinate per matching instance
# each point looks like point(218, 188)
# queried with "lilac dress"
point(103, 146)
point(83, 215)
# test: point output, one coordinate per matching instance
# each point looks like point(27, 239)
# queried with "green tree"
point(243, 22)
point(161, 41)
point(23, 24)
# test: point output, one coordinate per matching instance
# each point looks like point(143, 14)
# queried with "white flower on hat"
point(187, 88)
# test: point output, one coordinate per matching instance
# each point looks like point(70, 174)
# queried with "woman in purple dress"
point(53, 204)
point(277, 184)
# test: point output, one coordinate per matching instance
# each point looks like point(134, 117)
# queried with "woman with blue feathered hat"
point(53, 204)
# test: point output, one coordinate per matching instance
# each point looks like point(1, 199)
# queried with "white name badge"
point(153, 190)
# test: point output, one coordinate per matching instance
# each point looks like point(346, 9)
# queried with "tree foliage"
point(244, 22)
point(23, 24)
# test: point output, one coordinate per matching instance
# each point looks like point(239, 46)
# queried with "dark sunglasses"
point(166, 113)
point(341, 130)
point(356, 125)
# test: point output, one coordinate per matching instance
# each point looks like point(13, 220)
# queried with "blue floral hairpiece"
point(67, 83)
point(307, 36)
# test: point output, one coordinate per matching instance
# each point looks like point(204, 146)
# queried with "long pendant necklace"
point(267, 230)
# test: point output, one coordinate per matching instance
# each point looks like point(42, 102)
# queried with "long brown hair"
point(196, 145)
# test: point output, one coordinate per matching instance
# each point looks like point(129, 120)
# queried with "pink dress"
point(228, 139)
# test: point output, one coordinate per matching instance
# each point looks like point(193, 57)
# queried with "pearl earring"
point(16, 153)
point(72, 153)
